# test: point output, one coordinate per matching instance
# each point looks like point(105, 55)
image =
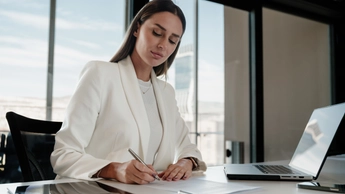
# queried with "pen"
point(9, 191)
point(140, 160)
point(183, 192)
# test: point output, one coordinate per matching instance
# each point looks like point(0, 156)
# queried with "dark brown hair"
point(151, 8)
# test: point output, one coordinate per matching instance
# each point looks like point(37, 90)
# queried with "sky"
point(90, 30)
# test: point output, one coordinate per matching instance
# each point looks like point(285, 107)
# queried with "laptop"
point(309, 156)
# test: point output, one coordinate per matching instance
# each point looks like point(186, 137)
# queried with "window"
point(94, 32)
point(181, 74)
point(84, 30)
point(23, 70)
point(23, 58)
point(211, 82)
point(199, 83)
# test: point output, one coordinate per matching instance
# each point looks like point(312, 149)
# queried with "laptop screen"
point(316, 138)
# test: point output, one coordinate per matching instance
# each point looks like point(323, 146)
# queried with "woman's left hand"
point(181, 170)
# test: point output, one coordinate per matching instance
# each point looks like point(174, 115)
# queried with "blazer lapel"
point(135, 101)
point(159, 99)
point(166, 148)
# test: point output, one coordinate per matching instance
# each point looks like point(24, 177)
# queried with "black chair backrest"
point(2, 150)
point(34, 142)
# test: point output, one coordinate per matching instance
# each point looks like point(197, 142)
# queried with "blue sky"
point(90, 30)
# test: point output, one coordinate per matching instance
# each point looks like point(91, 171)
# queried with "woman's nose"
point(162, 44)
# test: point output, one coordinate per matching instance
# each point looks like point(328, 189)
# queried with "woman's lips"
point(156, 55)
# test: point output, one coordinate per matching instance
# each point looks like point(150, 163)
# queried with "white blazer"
point(106, 116)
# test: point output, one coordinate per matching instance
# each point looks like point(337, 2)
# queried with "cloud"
point(30, 52)
point(27, 4)
point(23, 51)
point(67, 57)
point(28, 19)
point(87, 44)
point(211, 82)
point(86, 25)
point(41, 22)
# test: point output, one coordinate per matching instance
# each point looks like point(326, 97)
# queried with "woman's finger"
point(179, 175)
point(187, 175)
point(139, 173)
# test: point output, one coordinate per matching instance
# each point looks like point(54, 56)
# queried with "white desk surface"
point(333, 172)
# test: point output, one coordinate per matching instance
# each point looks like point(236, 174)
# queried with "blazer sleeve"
point(69, 158)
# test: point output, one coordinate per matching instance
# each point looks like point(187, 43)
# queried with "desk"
point(333, 171)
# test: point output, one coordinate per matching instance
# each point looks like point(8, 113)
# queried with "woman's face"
point(157, 38)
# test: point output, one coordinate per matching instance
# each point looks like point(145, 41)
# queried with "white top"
point(154, 119)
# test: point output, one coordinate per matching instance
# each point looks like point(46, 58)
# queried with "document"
point(192, 185)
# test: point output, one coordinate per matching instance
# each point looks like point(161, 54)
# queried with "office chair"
point(2, 150)
point(34, 142)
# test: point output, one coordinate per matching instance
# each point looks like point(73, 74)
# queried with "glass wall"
point(198, 77)
point(84, 30)
point(296, 78)
point(94, 32)
point(23, 70)
point(181, 74)
point(23, 57)
point(210, 82)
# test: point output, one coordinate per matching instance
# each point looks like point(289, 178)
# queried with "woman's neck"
point(142, 70)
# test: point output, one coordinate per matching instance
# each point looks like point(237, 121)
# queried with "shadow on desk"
point(63, 188)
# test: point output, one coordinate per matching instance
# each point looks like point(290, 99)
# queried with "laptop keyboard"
point(275, 169)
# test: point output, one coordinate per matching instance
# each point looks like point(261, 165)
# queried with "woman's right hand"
point(129, 172)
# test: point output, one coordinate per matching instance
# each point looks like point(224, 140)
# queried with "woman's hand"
point(129, 172)
point(181, 170)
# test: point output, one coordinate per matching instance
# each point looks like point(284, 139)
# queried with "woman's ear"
point(135, 33)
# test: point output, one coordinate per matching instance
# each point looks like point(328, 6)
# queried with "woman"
point(121, 104)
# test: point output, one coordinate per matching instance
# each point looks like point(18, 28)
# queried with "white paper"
point(132, 188)
point(194, 185)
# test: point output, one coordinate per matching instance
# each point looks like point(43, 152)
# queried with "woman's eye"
point(155, 33)
point(172, 42)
